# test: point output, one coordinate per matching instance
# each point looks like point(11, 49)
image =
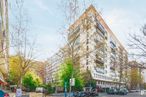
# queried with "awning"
point(2, 82)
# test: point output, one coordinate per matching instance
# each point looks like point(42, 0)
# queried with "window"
point(77, 41)
point(87, 48)
point(87, 62)
point(101, 28)
point(2, 45)
point(87, 41)
point(4, 34)
point(75, 31)
point(112, 42)
point(113, 45)
point(97, 39)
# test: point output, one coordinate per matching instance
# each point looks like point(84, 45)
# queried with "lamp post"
point(65, 89)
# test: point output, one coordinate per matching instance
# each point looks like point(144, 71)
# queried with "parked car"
point(4, 94)
point(118, 91)
point(40, 90)
point(79, 94)
point(123, 91)
point(132, 91)
point(92, 93)
point(112, 91)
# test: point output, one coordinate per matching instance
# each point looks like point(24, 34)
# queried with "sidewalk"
point(30, 94)
point(34, 94)
point(24, 95)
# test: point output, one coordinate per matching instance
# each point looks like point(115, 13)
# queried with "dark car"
point(3, 94)
point(85, 94)
point(78, 94)
point(112, 91)
point(123, 91)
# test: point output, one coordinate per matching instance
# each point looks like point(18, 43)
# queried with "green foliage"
point(49, 88)
point(11, 79)
point(67, 71)
point(144, 85)
point(15, 70)
point(135, 78)
point(30, 82)
point(88, 81)
point(91, 83)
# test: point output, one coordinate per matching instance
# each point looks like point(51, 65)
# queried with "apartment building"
point(3, 40)
point(98, 49)
point(53, 65)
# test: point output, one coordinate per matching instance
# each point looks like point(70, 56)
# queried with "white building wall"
point(103, 74)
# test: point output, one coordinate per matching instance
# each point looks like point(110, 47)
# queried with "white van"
point(40, 90)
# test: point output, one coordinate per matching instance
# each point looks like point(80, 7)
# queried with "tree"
point(23, 48)
point(87, 78)
point(144, 85)
point(134, 78)
point(31, 81)
point(15, 70)
point(39, 68)
point(138, 44)
point(66, 75)
point(49, 88)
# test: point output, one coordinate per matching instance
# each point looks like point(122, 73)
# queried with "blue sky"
point(46, 16)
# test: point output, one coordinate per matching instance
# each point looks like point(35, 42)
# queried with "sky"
point(47, 18)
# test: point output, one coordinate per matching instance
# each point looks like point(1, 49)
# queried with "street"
point(129, 95)
point(33, 94)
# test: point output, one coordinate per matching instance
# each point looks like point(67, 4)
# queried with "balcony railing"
point(99, 70)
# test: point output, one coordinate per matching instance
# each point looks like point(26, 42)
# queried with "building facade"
point(53, 65)
point(3, 40)
point(98, 49)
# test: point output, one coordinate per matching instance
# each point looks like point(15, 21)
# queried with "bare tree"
point(137, 42)
point(71, 11)
point(23, 48)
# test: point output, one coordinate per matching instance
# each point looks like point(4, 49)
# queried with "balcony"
point(102, 77)
point(101, 28)
point(112, 45)
point(100, 70)
point(99, 62)
point(112, 68)
point(74, 32)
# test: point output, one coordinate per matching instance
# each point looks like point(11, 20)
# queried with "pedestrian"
point(18, 92)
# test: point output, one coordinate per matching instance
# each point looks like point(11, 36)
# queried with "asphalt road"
point(33, 94)
point(136, 94)
point(128, 95)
